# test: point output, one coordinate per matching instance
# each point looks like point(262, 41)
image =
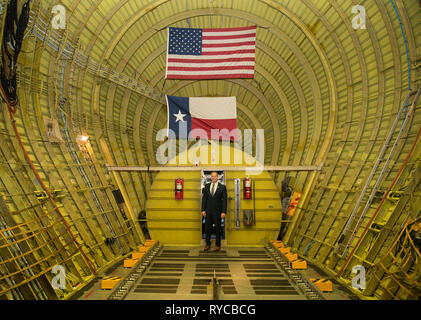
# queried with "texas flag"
point(196, 117)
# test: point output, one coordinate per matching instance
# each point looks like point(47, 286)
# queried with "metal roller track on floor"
point(303, 284)
point(123, 288)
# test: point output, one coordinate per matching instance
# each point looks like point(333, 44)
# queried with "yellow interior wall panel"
point(178, 222)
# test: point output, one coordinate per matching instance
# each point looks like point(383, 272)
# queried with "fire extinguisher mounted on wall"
point(247, 188)
point(179, 188)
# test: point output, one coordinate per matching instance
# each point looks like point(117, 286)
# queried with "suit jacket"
point(217, 203)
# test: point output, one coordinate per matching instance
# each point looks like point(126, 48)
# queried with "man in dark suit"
point(214, 206)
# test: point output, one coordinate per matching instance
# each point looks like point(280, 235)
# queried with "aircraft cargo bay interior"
point(210, 150)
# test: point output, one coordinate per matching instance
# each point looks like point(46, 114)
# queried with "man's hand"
point(204, 213)
point(222, 215)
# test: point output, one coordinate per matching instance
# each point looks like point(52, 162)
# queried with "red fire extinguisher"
point(247, 188)
point(179, 187)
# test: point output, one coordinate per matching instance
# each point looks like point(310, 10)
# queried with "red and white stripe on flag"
point(215, 113)
point(225, 53)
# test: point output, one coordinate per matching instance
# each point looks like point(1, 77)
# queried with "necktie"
point(213, 189)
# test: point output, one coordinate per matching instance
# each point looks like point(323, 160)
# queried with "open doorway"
point(206, 178)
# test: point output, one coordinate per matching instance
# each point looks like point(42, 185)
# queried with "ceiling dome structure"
point(335, 86)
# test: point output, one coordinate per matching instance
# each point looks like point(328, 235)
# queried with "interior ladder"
point(349, 232)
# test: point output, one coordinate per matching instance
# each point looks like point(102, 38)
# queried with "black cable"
point(8, 46)
point(13, 34)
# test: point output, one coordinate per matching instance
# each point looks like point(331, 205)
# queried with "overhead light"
point(81, 138)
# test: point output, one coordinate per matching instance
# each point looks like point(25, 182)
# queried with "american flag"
point(211, 53)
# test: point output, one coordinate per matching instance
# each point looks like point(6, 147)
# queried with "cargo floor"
point(185, 273)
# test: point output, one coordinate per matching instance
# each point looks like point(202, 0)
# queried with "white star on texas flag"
point(179, 116)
